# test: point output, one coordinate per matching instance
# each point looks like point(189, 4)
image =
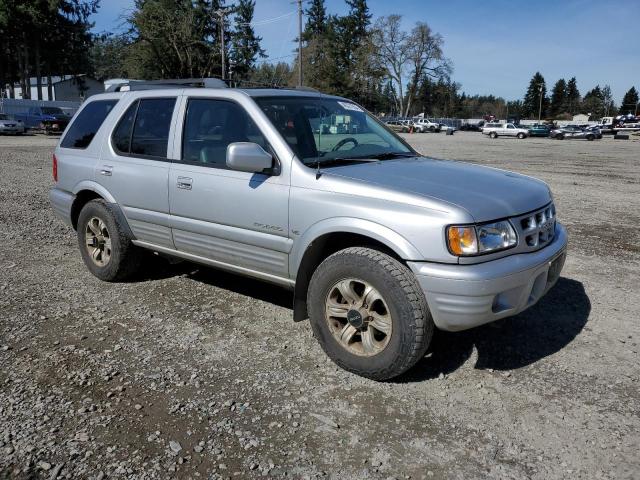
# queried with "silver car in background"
point(10, 126)
point(379, 244)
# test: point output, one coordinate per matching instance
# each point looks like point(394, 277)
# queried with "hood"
point(486, 193)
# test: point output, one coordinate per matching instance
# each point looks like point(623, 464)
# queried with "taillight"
point(55, 168)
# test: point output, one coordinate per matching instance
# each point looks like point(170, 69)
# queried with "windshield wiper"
point(335, 160)
point(390, 155)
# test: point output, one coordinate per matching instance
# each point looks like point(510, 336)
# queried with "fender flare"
point(396, 242)
point(94, 187)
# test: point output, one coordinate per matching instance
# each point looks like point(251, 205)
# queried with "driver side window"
point(210, 125)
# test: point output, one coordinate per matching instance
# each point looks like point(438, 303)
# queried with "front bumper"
point(465, 296)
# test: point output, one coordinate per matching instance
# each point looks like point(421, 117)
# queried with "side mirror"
point(248, 157)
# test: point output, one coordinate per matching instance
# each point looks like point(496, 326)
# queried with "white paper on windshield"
point(350, 106)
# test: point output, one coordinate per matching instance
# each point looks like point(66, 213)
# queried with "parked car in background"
point(470, 127)
point(495, 130)
point(10, 126)
point(539, 130)
point(49, 119)
point(595, 129)
point(397, 126)
point(379, 244)
point(573, 131)
point(427, 125)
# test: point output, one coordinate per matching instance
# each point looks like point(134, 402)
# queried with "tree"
point(593, 102)
point(245, 45)
point(425, 59)
point(558, 97)
point(108, 56)
point(629, 102)
point(535, 101)
point(573, 97)
point(269, 74)
point(316, 20)
point(43, 37)
point(609, 104)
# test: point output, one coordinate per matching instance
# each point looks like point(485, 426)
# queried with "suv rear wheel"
point(493, 135)
point(368, 313)
point(105, 247)
point(521, 135)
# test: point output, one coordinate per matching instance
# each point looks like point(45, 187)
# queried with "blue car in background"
point(49, 119)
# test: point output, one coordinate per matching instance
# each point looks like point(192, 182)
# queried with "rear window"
point(86, 124)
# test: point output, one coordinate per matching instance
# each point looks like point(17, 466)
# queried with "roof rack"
point(131, 85)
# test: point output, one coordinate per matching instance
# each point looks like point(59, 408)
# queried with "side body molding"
point(396, 242)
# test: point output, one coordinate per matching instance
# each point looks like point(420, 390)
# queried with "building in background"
point(74, 88)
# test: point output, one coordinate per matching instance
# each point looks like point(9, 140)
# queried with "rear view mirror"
point(248, 157)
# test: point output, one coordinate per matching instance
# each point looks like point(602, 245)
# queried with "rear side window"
point(86, 124)
point(144, 128)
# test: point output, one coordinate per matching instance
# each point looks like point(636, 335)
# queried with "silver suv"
point(308, 191)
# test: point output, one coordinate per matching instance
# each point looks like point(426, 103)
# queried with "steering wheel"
point(343, 142)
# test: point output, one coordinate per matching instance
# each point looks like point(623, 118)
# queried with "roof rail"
point(131, 85)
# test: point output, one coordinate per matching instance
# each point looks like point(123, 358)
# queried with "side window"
point(121, 137)
point(86, 124)
point(210, 125)
point(151, 128)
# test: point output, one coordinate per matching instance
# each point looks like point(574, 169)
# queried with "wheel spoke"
point(335, 309)
point(95, 229)
point(382, 323)
point(89, 239)
point(347, 333)
point(370, 296)
point(368, 344)
point(96, 254)
point(347, 292)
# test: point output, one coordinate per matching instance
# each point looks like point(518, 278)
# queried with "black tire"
point(521, 136)
point(493, 135)
point(590, 138)
point(125, 258)
point(560, 137)
point(412, 324)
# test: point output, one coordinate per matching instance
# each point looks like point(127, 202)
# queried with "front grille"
point(536, 229)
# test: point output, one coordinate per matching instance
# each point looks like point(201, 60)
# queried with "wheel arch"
point(325, 239)
point(85, 192)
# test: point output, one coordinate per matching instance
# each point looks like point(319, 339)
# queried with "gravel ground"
point(193, 373)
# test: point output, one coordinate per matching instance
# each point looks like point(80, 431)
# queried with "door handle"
point(106, 170)
point(185, 183)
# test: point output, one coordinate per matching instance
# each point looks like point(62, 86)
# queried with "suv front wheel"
point(105, 247)
point(368, 313)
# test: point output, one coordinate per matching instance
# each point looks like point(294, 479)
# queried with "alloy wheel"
point(98, 241)
point(358, 317)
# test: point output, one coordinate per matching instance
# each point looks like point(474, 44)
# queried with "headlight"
point(478, 239)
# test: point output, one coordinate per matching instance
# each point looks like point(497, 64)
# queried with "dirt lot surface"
point(192, 373)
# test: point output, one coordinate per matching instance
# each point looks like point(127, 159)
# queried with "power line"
point(267, 20)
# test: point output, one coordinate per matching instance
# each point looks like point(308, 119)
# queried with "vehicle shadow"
point(511, 343)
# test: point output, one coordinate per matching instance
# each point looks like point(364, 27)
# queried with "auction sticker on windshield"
point(350, 106)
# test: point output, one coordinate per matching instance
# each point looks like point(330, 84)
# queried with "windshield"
point(323, 130)
point(52, 111)
point(4, 117)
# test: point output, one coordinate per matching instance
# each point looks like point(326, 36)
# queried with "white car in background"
point(427, 125)
point(495, 130)
point(8, 125)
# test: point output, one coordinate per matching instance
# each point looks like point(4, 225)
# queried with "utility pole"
point(299, 43)
point(540, 108)
point(221, 13)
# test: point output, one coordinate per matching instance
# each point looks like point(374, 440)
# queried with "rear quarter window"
point(86, 124)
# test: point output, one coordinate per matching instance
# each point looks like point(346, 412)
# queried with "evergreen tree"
point(593, 102)
point(358, 19)
point(558, 97)
point(535, 97)
point(316, 20)
point(245, 45)
point(629, 102)
point(573, 96)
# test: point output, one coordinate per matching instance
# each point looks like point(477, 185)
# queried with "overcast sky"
point(495, 46)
